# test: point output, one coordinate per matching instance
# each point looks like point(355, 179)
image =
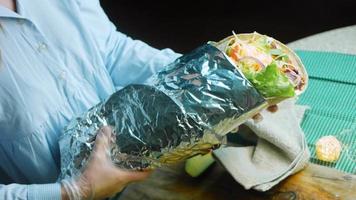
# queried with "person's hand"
point(100, 179)
point(258, 117)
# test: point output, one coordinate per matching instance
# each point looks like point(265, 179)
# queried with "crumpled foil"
point(184, 110)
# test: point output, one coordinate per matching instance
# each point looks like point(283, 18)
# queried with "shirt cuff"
point(44, 191)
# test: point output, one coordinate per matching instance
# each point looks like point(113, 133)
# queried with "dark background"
point(184, 25)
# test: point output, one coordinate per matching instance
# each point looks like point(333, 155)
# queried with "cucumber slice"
point(198, 164)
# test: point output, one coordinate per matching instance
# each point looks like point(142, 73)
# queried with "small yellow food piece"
point(328, 149)
point(198, 164)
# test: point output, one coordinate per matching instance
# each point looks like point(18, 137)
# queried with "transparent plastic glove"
point(100, 179)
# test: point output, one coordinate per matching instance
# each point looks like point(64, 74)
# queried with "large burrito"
point(187, 108)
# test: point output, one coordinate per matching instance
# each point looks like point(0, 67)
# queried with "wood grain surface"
point(172, 183)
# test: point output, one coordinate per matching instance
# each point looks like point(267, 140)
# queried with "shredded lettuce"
point(248, 71)
point(271, 82)
point(263, 44)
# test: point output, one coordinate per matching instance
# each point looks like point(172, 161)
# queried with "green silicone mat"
point(331, 95)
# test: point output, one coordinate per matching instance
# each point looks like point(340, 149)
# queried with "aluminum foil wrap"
point(184, 110)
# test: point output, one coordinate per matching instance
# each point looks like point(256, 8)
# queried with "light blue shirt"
point(58, 58)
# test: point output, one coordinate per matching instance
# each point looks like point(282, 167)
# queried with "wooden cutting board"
point(172, 183)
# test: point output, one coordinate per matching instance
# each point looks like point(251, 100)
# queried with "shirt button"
point(42, 46)
point(63, 75)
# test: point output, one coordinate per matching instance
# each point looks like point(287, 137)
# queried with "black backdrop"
point(183, 25)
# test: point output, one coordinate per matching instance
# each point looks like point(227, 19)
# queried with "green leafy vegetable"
point(271, 82)
point(248, 71)
point(263, 44)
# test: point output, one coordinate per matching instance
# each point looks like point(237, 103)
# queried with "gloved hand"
point(100, 179)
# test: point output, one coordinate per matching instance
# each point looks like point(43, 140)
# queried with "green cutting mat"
point(331, 95)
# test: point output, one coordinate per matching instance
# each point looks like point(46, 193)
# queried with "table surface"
point(171, 183)
point(342, 40)
point(314, 182)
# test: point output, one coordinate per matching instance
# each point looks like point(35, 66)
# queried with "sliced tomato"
point(233, 53)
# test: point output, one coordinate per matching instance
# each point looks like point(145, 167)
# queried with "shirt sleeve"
point(127, 60)
point(31, 192)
